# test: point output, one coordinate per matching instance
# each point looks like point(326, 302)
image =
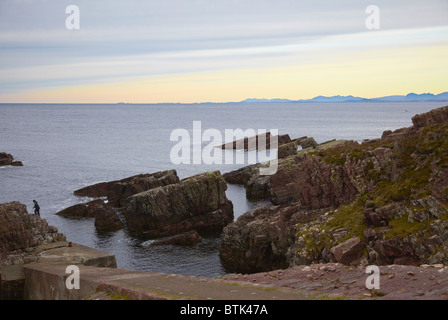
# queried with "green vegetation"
point(351, 216)
point(401, 180)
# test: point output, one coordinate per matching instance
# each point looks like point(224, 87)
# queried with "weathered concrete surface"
point(12, 282)
point(61, 252)
point(12, 277)
point(47, 282)
point(314, 282)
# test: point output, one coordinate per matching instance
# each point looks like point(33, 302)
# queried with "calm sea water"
point(66, 147)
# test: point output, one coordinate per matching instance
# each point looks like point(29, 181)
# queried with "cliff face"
point(20, 232)
point(383, 201)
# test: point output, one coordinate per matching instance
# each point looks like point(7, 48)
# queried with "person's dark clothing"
point(36, 208)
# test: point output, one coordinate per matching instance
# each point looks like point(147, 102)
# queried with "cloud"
point(120, 41)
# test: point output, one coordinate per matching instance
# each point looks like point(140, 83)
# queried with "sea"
point(65, 147)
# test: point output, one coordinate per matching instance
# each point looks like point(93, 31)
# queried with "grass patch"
point(401, 227)
point(350, 216)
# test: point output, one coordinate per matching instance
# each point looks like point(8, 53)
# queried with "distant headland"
point(410, 97)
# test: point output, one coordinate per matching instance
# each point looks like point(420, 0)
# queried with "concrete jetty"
point(46, 277)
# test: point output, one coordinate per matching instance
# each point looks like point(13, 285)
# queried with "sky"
point(145, 51)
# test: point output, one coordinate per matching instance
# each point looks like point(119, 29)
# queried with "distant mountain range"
point(411, 97)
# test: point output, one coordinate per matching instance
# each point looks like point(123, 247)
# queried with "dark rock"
point(95, 190)
point(8, 160)
point(287, 149)
point(198, 202)
point(436, 116)
point(348, 252)
point(260, 238)
point(307, 142)
point(82, 210)
point(106, 219)
point(188, 238)
point(254, 143)
point(20, 231)
point(242, 175)
point(119, 190)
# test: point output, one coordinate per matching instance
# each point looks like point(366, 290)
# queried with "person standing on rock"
point(36, 208)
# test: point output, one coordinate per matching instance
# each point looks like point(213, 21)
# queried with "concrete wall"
point(45, 277)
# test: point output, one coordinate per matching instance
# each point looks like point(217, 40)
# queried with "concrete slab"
point(62, 252)
point(12, 278)
point(47, 282)
point(12, 281)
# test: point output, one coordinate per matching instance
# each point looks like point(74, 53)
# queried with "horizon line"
point(350, 99)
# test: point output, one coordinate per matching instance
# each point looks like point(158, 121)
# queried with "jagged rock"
point(287, 149)
point(8, 160)
point(312, 181)
point(106, 219)
point(252, 143)
point(188, 238)
point(198, 202)
point(82, 210)
point(307, 142)
point(119, 190)
point(20, 231)
point(348, 252)
point(242, 175)
point(436, 116)
point(260, 238)
point(95, 190)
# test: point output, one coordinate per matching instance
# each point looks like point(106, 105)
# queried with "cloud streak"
point(120, 41)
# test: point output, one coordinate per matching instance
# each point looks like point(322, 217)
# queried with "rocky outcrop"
point(260, 238)
point(82, 210)
point(119, 190)
point(348, 252)
point(380, 202)
point(198, 202)
point(8, 160)
point(436, 116)
point(20, 232)
point(106, 219)
point(287, 149)
point(307, 142)
point(259, 142)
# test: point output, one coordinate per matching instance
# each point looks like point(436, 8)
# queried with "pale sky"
point(143, 51)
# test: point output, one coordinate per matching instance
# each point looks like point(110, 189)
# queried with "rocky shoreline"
point(337, 207)
point(381, 202)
